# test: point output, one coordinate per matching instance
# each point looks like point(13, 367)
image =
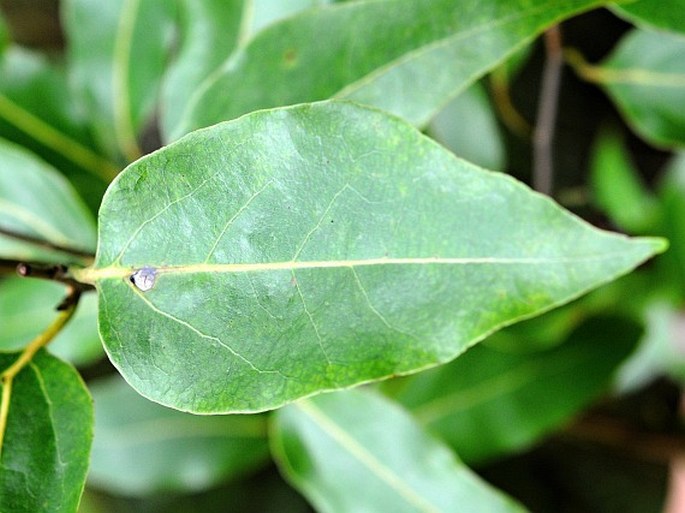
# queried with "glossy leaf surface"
point(47, 443)
point(37, 201)
point(423, 54)
point(354, 440)
point(492, 401)
point(645, 76)
point(320, 246)
point(141, 447)
point(27, 306)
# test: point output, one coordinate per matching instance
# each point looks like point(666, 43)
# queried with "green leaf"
point(659, 14)
point(645, 76)
point(47, 442)
point(408, 57)
point(320, 246)
point(209, 30)
point(37, 201)
point(355, 451)
point(4, 34)
point(672, 199)
point(491, 401)
point(618, 188)
point(117, 54)
point(481, 143)
point(141, 448)
point(27, 307)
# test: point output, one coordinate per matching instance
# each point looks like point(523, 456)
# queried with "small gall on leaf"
point(144, 278)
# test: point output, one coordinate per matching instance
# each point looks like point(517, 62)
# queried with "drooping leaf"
point(27, 307)
point(320, 246)
point(141, 448)
point(47, 442)
point(490, 402)
point(36, 200)
point(645, 76)
point(355, 451)
point(467, 126)
point(660, 14)
point(618, 188)
point(408, 57)
point(117, 52)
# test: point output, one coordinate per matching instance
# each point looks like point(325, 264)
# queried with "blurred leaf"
point(209, 32)
point(117, 54)
point(660, 14)
point(47, 442)
point(488, 402)
point(27, 307)
point(618, 189)
point(141, 447)
point(354, 451)
point(408, 57)
point(354, 249)
point(672, 198)
point(36, 200)
point(267, 12)
point(4, 34)
point(645, 76)
point(468, 127)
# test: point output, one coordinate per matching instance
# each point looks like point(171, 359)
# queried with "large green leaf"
point(405, 56)
point(117, 54)
point(492, 401)
point(47, 442)
point(661, 14)
point(645, 76)
point(37, 201)
point(320, 246)
point(27, 307)
point(141, 447)
point(354, 451)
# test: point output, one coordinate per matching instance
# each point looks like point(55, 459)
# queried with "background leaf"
point(424, 53)
point(645, 76)
point(47, 442)
point(660, 14)
point(36, 200)
point(493, 401)
point(141, 448)
point(27, 306)
point(335, 443)
point(347, 247)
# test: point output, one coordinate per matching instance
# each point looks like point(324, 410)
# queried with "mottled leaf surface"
point(47, 442)
point(142, 448)
point(408, 57)
point(320, 246)
point(335, 443)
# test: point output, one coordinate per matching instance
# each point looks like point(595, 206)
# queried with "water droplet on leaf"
point(144, 278)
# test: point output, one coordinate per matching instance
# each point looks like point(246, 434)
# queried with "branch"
point(543, 171)
point(45, 244)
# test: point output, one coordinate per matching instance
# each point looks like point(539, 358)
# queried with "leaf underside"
point(320, 246)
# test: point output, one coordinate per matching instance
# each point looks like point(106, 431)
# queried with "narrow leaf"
point(490, 402)
point(47, 442)
point(408, 57)
point(37, 201)
point(645, 76)
point(320, 246)
point(141, 448)
point(354, 451)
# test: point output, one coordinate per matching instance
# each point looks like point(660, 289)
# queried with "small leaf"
point(47, 442)
point(659, 14)
point(645, 76)
point(41, 204)
point(408, 57)
point(141, 448)
point(618, 189)
point(355, 451)
point(320, 246)
point(28, 306)
point(490, 402)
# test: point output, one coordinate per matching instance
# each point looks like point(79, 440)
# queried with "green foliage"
point(267, 256)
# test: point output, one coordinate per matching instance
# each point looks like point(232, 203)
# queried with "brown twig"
point(543, 170)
